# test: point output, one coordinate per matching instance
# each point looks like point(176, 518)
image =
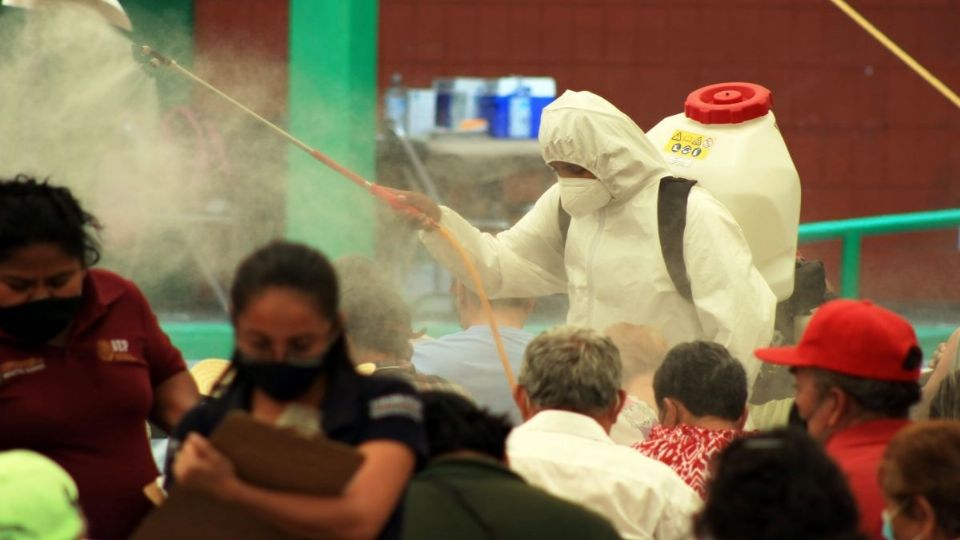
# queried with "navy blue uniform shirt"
point(356, 409)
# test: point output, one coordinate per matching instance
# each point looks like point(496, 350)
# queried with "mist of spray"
point(183, 192)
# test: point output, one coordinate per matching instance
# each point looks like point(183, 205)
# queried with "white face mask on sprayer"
point(583, 196)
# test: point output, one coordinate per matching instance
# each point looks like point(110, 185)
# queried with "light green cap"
point(38, 499)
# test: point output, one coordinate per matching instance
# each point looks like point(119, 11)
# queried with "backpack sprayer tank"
point(727, 139)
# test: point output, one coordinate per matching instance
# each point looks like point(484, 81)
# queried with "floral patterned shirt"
point(687, 450)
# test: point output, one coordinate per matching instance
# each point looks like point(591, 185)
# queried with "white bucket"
point(727, 139)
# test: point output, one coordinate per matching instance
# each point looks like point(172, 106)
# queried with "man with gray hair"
point(569, 395)
point(378, 323)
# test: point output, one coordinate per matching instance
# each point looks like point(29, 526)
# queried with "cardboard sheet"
point(264, 456)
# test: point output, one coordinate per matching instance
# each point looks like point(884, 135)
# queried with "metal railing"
point(852, 232)
point(204, 339)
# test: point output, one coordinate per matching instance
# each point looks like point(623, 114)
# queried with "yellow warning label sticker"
point(689, 145)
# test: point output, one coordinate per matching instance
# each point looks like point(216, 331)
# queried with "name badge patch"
point(15, 368)
point(401, 405)
point(116, 350)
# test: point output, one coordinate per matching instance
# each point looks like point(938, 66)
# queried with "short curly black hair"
point(705, 378)
point(777, 485)
point(36, 212)
point(454, 424)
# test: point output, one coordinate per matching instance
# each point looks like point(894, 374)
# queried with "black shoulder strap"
point(563, 221)
point(671, 223)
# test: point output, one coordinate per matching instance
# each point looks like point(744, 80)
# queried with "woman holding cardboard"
point(291, 368)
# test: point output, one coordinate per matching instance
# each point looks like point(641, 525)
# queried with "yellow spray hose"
point(484, 301)
point(384, 194)
point(896, 50)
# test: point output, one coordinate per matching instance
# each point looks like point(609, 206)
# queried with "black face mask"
point(287, 379)
point(40, 321)
point(795, 420)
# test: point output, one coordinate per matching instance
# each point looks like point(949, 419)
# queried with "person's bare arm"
point(172, 399)
point(360, 513)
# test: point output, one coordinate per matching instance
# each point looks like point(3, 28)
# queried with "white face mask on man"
point(582, 196)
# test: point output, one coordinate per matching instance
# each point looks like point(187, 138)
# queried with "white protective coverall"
point(611, 265)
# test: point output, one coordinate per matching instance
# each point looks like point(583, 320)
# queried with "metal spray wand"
point(158, 60)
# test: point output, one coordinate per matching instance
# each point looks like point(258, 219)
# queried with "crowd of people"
point(631, 421)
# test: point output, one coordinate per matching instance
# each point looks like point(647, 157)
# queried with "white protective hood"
point(584, 129)
point(611, 265)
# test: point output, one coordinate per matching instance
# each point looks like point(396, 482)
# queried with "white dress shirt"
point(570, 456)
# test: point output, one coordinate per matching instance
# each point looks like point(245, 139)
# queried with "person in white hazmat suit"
point(611, 264)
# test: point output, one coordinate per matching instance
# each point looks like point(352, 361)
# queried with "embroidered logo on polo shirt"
point(396, 405)
point(116, 350)
point(14, 368)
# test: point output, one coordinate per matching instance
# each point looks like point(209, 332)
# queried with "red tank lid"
point(728, 103)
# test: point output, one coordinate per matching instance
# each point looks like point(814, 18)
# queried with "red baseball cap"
point(857, 338)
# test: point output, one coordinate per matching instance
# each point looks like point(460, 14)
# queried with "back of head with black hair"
point(288, 265)
point(33, 212)
point(777, 486)
point(705, 378)
point(455, 424)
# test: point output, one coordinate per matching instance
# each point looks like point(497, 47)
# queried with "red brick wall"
point(867, 135)
point(242, 46)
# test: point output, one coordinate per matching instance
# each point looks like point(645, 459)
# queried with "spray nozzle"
point(155, 59)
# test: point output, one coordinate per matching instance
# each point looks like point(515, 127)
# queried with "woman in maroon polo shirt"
point(83, 362)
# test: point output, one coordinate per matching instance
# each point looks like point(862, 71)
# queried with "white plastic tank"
point(728, 140)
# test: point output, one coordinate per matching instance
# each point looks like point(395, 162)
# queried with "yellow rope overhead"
point(900, 53)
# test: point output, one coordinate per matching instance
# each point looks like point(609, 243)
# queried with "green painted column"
point(332, 106)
